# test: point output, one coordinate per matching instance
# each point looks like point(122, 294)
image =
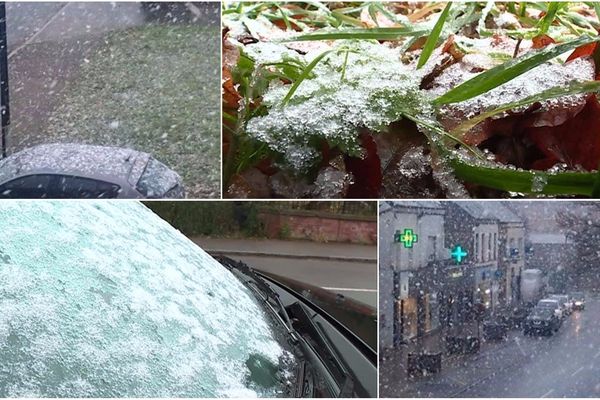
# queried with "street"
point(341, 268)
point(566, 364)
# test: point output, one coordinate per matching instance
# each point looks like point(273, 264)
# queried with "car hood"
point(106, 299)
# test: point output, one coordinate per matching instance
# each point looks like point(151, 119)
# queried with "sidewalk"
point(289, 249)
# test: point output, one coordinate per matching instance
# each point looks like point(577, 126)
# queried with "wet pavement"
point(308, 262)
point(566, 364)
point(55, 49)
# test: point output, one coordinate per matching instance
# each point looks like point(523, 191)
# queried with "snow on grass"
point(155, 89)
point(371, 89)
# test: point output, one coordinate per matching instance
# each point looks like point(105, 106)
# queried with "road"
point(566, 364)
point(355, 277)
point(352, 279)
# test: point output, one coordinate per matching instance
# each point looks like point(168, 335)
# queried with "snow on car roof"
point(73, 158)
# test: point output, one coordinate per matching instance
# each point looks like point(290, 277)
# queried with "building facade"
point(473, 227)
point(410, 243)
point(511, 258)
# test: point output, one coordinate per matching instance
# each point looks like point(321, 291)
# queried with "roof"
point(489, 210)
point(547, 238)
point(504, 214)
point(420, 204)
point(78, 159)
point(476, 209)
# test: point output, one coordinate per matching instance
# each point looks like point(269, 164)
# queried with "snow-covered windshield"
point(105, 299)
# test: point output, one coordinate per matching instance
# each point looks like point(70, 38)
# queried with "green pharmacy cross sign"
point(458, 254)
point(408, 238)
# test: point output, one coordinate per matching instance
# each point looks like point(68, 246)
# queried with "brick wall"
point(321, 227)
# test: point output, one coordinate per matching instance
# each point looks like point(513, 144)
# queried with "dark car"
point(336, 361)
point(578, 299)
point(541, 320)
point(86, 171)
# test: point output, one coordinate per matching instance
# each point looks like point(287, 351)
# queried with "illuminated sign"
point(458, 254)
point(408, 238)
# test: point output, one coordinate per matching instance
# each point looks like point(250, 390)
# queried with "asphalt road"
point(348, 269)
point(356, 280)
point(566, 364)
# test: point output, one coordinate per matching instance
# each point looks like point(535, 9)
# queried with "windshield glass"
point(124, 307)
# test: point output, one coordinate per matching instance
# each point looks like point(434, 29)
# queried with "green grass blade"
point(564, 183)
point(503, 73)
point(357, 33)
point(596, 6)
point(433, 37)
point(547, 20)
point(572, 88)
point(434, 126)
point(532, 182)
point(305, 73)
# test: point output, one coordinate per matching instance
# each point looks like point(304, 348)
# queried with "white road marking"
point(576, 372)
point(341, 289)
point(548, 393)
point(597, 355)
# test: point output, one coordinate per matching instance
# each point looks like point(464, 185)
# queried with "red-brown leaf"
point(366, 171)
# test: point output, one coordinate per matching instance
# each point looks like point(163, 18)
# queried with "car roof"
point(77, 159)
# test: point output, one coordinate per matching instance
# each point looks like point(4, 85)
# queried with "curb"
point(294, 256)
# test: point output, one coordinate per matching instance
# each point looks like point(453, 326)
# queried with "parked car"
point(60, 171)
point(517, 316)
point(553, 305)
point(578, 300)
point(565, 302)
point(541, 320)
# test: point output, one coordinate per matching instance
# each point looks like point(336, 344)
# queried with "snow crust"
point(105, 299)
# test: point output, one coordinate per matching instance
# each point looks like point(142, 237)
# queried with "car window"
point(27, 187)
point(68, 187)
point(106, 299)
point(541, 313)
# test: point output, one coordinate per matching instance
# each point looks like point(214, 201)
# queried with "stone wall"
point(319, 226)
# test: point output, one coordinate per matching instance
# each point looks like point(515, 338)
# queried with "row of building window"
point(483, 242)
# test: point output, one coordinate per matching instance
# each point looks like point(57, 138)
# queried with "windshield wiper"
point(258, 286)
point(308, 335)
